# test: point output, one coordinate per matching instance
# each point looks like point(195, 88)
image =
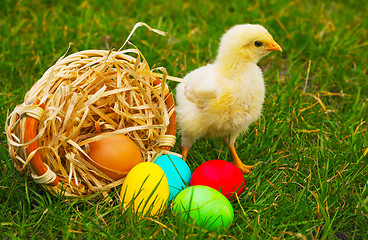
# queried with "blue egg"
point(177, 172)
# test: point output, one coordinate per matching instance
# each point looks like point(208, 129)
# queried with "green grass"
point(311, 140)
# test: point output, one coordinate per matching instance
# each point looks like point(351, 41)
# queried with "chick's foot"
point(246, 169)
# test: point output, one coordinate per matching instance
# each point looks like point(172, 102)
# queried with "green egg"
point(204, 206)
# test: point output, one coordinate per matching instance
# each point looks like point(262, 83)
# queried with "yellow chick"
point(223, 98)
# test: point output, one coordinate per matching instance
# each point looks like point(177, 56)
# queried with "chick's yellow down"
point(223, 98)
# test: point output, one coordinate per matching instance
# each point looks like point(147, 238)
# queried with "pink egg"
point(220, 175)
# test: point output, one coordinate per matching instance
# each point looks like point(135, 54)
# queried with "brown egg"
point(115, 155)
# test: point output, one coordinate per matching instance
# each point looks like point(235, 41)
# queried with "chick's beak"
point(273, 46)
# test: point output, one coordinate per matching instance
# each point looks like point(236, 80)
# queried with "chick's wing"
point(201, 86)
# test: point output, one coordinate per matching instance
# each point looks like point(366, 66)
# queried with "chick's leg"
point(246, 169)
point(186, 144)
point(184, 152)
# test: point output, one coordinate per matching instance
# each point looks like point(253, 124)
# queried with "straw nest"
point(82, 95)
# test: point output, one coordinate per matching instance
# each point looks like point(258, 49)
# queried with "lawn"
point(311, 141)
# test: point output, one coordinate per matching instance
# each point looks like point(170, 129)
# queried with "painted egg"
point(177, 172)
point(205, 206)
point(145, 189)
point(220, 175)
point(114, 155)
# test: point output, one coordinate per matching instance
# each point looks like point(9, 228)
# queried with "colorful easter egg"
point(177, 172)
point(220, 175)
point(145, 189)
point(205, 206)
point(114, 155)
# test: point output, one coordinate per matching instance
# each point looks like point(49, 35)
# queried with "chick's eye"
point(258, 43)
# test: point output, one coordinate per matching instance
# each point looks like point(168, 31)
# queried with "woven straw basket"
point(82, 95)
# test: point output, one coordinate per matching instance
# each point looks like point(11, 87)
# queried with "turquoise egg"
point(177, 173)
point(205, 206)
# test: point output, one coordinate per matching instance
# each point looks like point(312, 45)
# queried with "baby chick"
point(223, 98)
